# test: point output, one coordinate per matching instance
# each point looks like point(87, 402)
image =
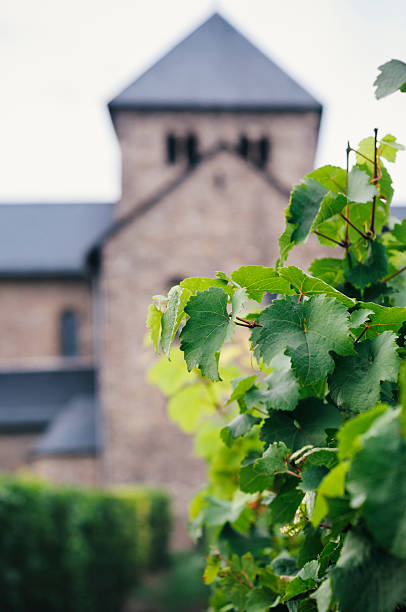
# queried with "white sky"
point(61, 61)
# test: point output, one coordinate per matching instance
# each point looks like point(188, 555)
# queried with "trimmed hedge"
point(70, 550)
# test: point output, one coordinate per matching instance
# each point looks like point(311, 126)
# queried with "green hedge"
point(69, 550)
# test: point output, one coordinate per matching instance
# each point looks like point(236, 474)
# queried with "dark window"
point(255, 151)
point(68, 333)
point(182, 148)
point(192, 150)
point(263, 152)
point(171, 149)
point(243, 147)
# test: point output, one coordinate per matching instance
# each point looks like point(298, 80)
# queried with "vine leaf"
point(305, 425)
point(305, 201)
point(173, 315)
point(304, 284)
point(377, 484)
point(258, 280)
point(355, 382)
point(391, 78)
point(359, 188)
point(200, 283)
point(328, 269)
point(238, 427)
point(283, 390)
point(367, 578)
point(154, 325)
point(205, 331)
point(382, 319)
point(308, 331)
point(372, 269)
point(350, 432)
point(258, 475)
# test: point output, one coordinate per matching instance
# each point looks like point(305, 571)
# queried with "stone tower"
point(212, 138)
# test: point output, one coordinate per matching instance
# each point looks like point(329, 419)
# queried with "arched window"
point(192, 150)
point(68, 333)
point(263, 152)
point(171, 149)
point(243, 147)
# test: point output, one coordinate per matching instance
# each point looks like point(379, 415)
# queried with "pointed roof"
point(215, 68)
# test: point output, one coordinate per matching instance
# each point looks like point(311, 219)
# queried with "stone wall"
point(14, 449)
point(142, 136)
point(29, 320)
point(71, 470)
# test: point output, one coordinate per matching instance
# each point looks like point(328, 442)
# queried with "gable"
point(215, 67)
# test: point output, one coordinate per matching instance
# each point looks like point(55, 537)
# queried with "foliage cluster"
point(305, 506)
point(66, 550)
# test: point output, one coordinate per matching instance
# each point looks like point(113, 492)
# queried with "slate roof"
point(399, 212)
point(49, 239)
point(30, 400)
point(215, 68)
point(74, 431)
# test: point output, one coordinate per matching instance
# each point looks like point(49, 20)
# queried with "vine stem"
point(388, 278)
point(365, 237)
point(361, 334)
point(246, 323)
point(340, 243)
point(372, 224)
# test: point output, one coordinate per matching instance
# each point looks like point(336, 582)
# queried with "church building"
point(212, 137)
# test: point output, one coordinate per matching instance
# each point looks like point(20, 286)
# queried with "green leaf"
point(330, 207)
point(171, 376)
point(403, 397)
point(389, 147)
point(284, 505)
point(205, 330)
point(323, 596)
point(377, 483)
point(328, 269)
point(258, 476)
point(238, 427)
point(220, 511)
point(283, 391)
point(312, 477)
point(241, 386)
point(173, 315)
point(333, 485)
point(305, 201)
point(197, 283)
point(359, 187)
point(309, 330)
point(304, 425)
point(154, 324)
point(331, 177)
point(258, 280)
point(359, 317)
point(284, 565)
point(374, 268)
point(366, 578)
point(391, 78)
point(189, 405)
point(260, 599)
point(350, 433)
point(355, 383)
point(383, 319)
point(307, 285)
point(237, 302)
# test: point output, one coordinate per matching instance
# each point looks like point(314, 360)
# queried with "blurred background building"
point(212, 138)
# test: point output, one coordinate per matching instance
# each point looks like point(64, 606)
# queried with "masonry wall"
point(14, 449)
point(68, 469)
point(30, 311)
point(224, 215)
point(142, 136)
